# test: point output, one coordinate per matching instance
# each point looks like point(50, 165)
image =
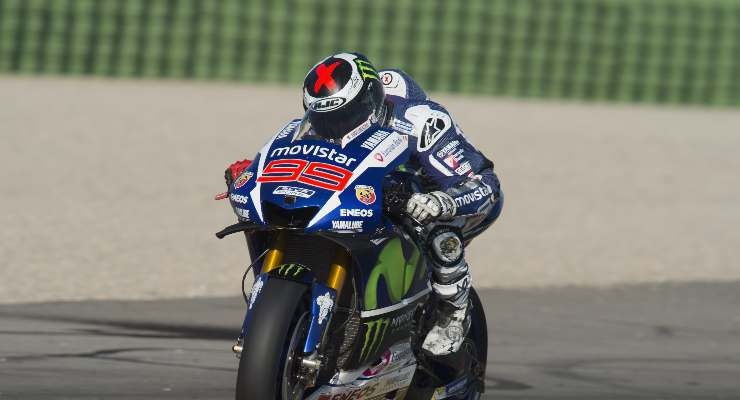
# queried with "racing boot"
point(449, 330)
point(451, 285)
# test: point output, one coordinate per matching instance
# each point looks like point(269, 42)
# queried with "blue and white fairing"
point(343, 184)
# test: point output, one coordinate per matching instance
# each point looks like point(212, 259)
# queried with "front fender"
point(322, 300)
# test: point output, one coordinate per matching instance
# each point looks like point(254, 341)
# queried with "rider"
point(463, 196)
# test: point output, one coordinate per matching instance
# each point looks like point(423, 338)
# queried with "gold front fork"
point(337, 270)
point(274, 256)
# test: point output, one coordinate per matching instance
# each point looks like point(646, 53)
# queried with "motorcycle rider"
point(343, 93)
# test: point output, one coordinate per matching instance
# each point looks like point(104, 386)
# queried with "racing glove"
point(427, 207)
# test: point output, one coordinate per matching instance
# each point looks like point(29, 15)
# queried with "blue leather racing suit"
point(448, 162)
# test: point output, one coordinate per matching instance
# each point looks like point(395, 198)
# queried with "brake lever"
point(416, 226)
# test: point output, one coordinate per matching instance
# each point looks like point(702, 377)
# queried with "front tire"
point(278, 322)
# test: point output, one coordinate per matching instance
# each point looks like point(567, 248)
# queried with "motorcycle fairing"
point(372, 155)
point(343, 184)
point(395, 371)
point(390, 318)
point(380, 329)
point(388, 269)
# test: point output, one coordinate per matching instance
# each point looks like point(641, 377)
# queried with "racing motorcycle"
point(341, 299)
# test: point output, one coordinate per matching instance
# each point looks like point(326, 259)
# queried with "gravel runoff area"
point(107, 188)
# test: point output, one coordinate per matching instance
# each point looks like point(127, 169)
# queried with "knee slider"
point(447, 246)
point(447, 251)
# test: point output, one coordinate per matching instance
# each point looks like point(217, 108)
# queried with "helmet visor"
point(337, 123)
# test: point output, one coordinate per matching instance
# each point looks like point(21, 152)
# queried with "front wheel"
point(268, 367)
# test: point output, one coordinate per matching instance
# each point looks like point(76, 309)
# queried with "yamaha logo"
point(328, 104)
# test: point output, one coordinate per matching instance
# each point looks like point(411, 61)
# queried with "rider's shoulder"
point(425, 120)
point(399, 84)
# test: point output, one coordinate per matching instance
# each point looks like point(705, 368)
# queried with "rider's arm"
point(455, 166)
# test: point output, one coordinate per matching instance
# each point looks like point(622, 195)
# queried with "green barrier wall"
point(665, 51)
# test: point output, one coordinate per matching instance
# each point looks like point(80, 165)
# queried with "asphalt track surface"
point(678, 341)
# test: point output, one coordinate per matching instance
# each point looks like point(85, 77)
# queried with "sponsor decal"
point(392, 146)
point(374, 140)
point(356, 212)
point(448, 149)
point(287, 130)
point(387, 268)
point(433, 129)
point(316, 174)
point(256, 289)
point(243, 179)
point(355, 81)
point(374, 335)
point(347, 225)
point(328, 104)
point(353, 393)
point(291, 270)
point(365, 194)
point(366, 69)
point(402, 320)
point(385, 360)
point(294, 191)
point(325, 304)
point(453, 159)
point(386, 78)
point(242, 213)
point(356, 132)
point(403, 126)
point(314, 150)
point(397, 380)
point(238, 198)
point(403, 354)
point(464, 168)
point(479, 193)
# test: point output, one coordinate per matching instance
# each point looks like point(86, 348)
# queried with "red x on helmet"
point(340, 93)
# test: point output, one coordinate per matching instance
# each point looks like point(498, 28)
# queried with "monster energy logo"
point(374, 335)
point(366, 69)
point(290, 270)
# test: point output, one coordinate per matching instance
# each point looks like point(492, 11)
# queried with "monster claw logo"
point(366, 69)
point(374, 335)
point(291, 270)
